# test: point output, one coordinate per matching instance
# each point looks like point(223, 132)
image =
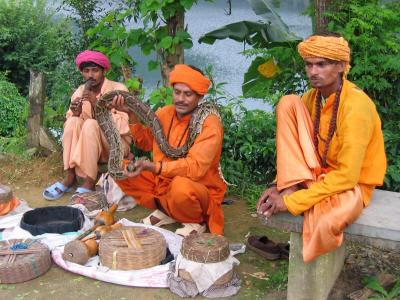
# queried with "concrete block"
point(312, 281)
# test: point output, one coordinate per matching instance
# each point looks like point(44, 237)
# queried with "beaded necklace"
point(332, 124)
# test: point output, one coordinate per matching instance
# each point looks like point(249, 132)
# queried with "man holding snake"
point(84, 145)
point(190, 189)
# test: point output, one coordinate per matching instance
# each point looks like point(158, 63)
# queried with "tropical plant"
point(381, 293)
point(86, 14)
point(277, 68)
point(372, 30)
point(161, 32)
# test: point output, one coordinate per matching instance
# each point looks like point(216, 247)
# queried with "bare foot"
point(89, 183)
point(70, 178)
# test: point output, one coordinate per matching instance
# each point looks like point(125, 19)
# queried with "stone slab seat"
point(378, 225)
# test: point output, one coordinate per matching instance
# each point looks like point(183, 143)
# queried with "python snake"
point(150, 119)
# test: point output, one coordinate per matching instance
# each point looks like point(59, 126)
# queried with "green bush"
point(248, 151)
point(32, 38)
point(372, 30)
point(13, 108)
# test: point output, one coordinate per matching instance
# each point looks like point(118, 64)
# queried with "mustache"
point(90, 83)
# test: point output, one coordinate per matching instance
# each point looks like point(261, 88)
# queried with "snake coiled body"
point(150, 119)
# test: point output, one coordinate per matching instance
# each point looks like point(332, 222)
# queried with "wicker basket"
point(6, 194)
point(19, 265)
point(205, 248)
point(132, 248)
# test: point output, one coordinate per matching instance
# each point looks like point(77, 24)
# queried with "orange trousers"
point(84, 145)
point(298, 162)
point(182, 199)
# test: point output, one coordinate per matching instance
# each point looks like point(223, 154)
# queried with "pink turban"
point(192, 78)
point(92, 56)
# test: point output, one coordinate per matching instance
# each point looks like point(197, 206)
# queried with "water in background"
point(225, 56)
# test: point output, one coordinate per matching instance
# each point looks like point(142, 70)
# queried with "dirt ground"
point(261, 279)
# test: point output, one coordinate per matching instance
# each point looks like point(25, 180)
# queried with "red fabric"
point(93, 56)
point(192, 78)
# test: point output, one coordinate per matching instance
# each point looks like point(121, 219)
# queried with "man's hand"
point(90, 97)
point(140, 166)
point(76, 107)
point(119, 104)
point(270, 202)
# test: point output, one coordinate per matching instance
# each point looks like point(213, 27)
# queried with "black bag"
point(53, 219)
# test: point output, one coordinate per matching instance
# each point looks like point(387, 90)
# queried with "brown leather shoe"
point(285, 249)
point(264, 246)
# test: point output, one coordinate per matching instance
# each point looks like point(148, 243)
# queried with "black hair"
point(86, 64)
point(329, 33)
point(196, 69)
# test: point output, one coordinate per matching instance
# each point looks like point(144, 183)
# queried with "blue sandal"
point(81, 190)
point(55, 191)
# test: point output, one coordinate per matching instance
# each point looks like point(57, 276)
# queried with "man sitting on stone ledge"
point(330, 149)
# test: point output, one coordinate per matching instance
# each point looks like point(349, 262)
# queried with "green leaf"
point(165, 43)
point(373, 284)
point(278, 29)
point(116, 58)
point(395, 291)
point(152, 65)
point(254, 84)
point(256, 34)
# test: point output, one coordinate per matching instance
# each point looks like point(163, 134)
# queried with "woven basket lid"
point(132, 248)
point(6, 194)
point(205, 248)
point(52, 219)
point(18, 264)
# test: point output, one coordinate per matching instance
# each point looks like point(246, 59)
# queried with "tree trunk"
point(321, 22)
point(168, 61)
point(36, 105)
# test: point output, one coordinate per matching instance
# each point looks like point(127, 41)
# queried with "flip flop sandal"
point(189, 228)
point(264, 247)
point(55, 191)
point(164, 219)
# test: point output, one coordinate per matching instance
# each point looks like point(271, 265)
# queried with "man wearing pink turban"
point(84, 145)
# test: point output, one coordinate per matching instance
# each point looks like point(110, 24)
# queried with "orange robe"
point(356, 158)
point(189, 189)
point(84, 144)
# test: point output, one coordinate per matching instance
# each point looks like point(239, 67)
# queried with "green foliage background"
point(13, 108)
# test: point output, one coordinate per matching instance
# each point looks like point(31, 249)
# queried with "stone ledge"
point(378, 225)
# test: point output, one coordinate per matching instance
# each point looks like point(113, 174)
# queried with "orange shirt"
point(356, 153)
point(201, 164)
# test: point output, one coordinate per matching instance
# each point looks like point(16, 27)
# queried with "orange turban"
point(192, 78)
point(330, 47)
